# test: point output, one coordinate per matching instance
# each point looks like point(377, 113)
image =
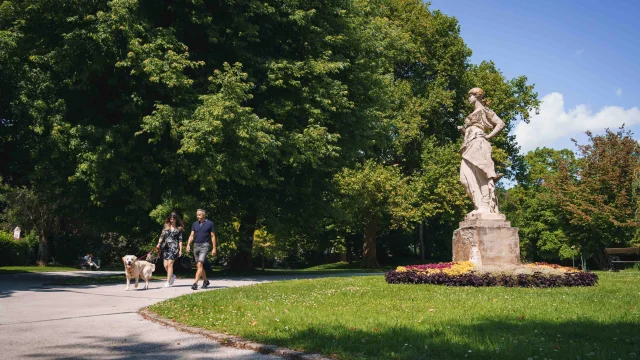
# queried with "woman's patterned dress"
point(171, 239)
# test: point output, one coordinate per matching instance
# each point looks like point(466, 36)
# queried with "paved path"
point(39, 321)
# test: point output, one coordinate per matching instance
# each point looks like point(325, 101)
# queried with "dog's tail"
point(153, 267)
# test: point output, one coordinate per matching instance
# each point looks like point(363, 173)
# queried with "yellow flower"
point(459, 268)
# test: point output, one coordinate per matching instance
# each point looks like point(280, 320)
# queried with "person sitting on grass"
point(88, 261)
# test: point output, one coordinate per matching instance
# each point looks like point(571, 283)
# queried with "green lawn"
point(33, 269)
point(339, 267)
point(365, 318)
point(343, 266)
point(333, 268)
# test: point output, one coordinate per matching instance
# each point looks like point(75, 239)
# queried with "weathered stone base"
point(486, 239)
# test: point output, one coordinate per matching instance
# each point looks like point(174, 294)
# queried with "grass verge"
point(33, 269)
point(366, 318)
point(333, 268)
point(343, 266)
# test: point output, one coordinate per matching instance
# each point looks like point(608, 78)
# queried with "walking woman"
point(171, 244)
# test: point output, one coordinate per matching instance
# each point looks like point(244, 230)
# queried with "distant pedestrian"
point(170, 243)
point(203, 231)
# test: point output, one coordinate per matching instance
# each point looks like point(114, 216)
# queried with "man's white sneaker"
point(173, 278)
point(167, 285)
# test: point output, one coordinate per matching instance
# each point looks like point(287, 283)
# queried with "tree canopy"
point(577, 204)
point(293, 117)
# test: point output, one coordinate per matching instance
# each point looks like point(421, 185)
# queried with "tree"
point(567, 205)
point(36, 213)
point(424, 102)
point(437, 186)
point(366, 194)
point(423, 61)
point(598, 200)
point(532, 208)
point(245, 105)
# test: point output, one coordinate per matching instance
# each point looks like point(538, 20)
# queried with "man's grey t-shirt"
point(202, 231)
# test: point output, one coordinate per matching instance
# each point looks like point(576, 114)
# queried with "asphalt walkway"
point(40, 321)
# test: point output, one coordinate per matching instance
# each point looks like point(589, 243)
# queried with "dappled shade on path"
point(114, 347)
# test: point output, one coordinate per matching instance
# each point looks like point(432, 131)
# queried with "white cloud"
point(619, 92)
point(579, 52)
point(553, 123)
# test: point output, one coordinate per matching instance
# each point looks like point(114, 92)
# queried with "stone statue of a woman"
point(477, 171)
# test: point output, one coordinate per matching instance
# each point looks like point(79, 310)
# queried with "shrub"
point(17, 252)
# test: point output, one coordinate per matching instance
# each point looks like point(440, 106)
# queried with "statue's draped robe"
point(477, 167)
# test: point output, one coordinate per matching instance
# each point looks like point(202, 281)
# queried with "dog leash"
point(147, 254)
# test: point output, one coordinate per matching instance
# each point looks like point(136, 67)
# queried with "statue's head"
point(476, 94)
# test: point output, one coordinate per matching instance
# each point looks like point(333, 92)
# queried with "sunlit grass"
point(366, 318)
point(338, 267)
point(33, 269)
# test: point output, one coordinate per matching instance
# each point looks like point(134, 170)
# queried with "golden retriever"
point(134, 268)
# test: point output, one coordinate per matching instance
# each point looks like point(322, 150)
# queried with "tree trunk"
point(421, 239)
point(602, 260)
point(369, 258)
point(43, 249)
point(242, 258)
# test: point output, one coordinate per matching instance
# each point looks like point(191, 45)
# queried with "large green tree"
point(576, 204)
point(423, 62)
point(531, 206)
point(598, 202)
point(367, 194)
point(249, 108)
point(424, 101)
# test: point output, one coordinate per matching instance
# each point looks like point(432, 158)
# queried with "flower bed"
point(468, 274)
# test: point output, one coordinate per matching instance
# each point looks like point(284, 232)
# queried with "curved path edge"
point(231, 340)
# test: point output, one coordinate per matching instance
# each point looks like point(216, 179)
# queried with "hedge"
point(17, 252)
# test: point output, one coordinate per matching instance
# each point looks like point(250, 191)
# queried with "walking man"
point(203, 231)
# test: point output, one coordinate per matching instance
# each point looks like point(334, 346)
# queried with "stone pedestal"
point(486, 239)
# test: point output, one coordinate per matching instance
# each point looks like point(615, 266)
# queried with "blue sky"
point(583, 57)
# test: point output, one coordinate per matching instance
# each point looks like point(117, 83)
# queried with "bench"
point(614, 255)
